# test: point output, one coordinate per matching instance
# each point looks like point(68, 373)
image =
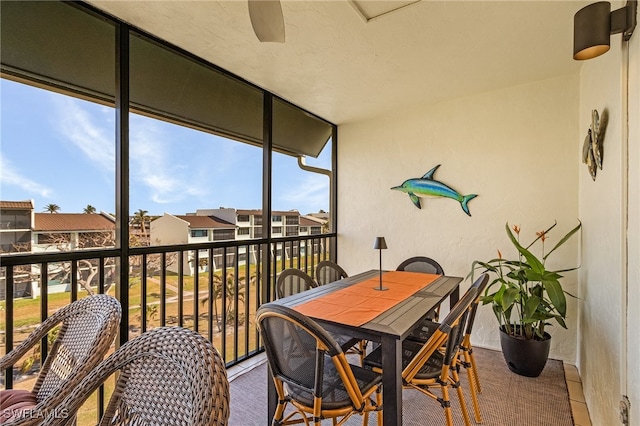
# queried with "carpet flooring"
point(506, 399)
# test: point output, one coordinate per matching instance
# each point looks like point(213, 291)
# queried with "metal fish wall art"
point(426, 186)
point(592, 150)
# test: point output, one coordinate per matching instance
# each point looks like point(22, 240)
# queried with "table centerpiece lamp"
point(380, 244)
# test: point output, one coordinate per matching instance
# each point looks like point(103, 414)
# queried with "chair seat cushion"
point(13, 402)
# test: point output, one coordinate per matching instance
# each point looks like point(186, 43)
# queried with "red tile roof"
point(206, 222)
point(308, 222)
point(72, 222)
point(22, 205)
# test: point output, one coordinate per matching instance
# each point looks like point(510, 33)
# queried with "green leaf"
point(564, 239)
point(509, 297)
point(531, 306)
point(556, 296)
point(532, 260)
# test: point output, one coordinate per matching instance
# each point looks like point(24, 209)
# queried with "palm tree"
point(89, 209)
point(52, 208)
point(140, 217)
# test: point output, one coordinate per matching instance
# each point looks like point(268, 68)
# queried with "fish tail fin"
point(465, 201)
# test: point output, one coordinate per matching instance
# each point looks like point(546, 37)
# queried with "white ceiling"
point(344, 68)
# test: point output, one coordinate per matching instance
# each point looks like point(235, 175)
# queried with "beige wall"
point(516, 148)
point(607, 361)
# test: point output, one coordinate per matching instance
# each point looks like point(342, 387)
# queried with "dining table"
point(354, 306)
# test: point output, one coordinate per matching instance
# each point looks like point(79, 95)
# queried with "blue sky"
point(60, 150)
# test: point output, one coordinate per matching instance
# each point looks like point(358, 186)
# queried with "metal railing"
point(213, 288)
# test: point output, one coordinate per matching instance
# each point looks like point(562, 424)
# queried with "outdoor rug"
point(506, 399)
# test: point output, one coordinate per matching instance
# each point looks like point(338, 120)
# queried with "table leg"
point(391, 380)
point(455, 296)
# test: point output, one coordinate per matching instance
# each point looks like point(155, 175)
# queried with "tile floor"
point(574, 384)
point(576, 397)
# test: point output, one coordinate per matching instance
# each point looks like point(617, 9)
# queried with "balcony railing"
point(213, 288)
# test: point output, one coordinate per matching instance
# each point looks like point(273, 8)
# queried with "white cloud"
point(155, 165)
point(310, 194)
point(10, 176)
point(77, 125)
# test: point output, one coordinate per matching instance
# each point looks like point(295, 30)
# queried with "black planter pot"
point(525, 357)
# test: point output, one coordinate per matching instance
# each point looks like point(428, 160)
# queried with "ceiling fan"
point(267, 20)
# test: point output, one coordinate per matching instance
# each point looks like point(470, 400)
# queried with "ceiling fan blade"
point(267, 20)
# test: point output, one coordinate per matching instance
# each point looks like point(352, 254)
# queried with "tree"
point(89, 209)
point(141, 218)
point(52, 208)
point(88, 269)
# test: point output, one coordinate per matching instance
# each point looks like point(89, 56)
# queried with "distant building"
point(72, 231)
point(16, 224)
point(221, 224)
point(23, 230)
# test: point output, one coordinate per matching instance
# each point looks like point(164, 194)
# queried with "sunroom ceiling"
point(345, 68)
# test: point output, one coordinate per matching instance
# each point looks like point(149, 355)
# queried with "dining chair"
point(426, 329)
point(317, 382)
point(84, 330)
point(424, 265)
point(328, 272)
point(168, 376)
point(432, 365)
point(293, 281)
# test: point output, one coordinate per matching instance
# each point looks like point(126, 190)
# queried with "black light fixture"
point(593, 25)
point(380, 244)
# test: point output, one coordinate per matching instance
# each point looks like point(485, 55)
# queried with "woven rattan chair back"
point(423, 264)
point(311, 371)
point(169, 376)
point(86, 329)
point(293, 281)
point(328, 272)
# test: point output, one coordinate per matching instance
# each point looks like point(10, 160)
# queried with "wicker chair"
point(328, 272)
point(313, 375)
point(433, 364)
point(168, 376)
point(86, 330)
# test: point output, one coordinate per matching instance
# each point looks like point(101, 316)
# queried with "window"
point(196, 233)
point(15, 241)
point(243, 231)
point(257, 220)
point(277, 230)
point(292, 230)
point(223, 234)
point(304, 229)
point(243, 218)
point(276, 218)
point(292, 220)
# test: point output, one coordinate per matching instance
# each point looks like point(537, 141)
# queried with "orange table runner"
point(360, 303)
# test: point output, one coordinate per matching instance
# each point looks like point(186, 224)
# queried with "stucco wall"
point(516, 148)
point(607, 207)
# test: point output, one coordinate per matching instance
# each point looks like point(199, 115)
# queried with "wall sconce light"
point(380, 244)
point(593, 25)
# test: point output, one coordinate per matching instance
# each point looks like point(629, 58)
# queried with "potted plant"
point(525, 296)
